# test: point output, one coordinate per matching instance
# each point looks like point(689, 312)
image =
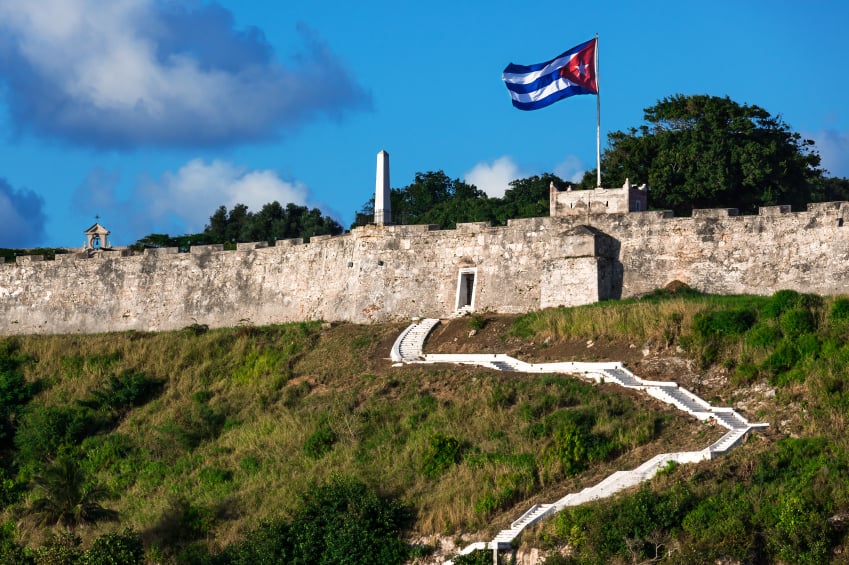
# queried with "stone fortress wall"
point(381, 273)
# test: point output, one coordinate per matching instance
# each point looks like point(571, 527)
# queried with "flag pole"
point(598, 117)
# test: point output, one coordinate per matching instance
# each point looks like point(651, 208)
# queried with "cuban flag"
point(536, 86)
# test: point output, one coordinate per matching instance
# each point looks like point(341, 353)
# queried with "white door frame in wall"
point(462, 299)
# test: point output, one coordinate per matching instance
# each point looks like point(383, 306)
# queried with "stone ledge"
point(716, 213)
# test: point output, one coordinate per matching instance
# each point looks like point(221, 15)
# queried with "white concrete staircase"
point(409, 346)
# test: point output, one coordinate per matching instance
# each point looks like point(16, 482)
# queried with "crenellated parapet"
point(377, 273)
point(597, 201)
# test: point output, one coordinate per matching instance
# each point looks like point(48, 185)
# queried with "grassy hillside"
point(203, 439)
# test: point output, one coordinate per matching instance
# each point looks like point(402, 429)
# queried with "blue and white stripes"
point(536, 86)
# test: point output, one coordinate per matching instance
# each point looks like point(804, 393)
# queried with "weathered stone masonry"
point(379, 273)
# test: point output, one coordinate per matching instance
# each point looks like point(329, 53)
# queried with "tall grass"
point(658, 318)
point(247, 419)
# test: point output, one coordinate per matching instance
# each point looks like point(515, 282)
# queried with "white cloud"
point(135, 72)
point(494, 178)
point(833, 147)
point(179, 201)
point(570, 169)
point(196, 189)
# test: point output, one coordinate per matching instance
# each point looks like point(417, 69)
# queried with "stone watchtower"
point(96, 238)
point(598, 201)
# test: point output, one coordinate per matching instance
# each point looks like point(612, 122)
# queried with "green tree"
point(705, 151)
point(344, 521)
point(526, 198)
point(435, 198)
point(15, 391)
point(115, 548)
point(831, 189)
point(67, 498)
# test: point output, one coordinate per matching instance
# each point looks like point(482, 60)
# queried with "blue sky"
point(150, 114)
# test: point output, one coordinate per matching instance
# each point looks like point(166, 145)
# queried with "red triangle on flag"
point(581, 68)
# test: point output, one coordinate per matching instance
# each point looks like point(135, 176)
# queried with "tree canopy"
point(705, 151)
point(271, 223)
point(434, 198)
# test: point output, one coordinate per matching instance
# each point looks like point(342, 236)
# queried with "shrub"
point(808, 345)
point(479, 557)
point(477, 322)
point(797, 321)
point(44, 430)
point(62, 548)
point(196, 424)
point(11, 552)
point(839, 310)
point(782, 359)
point(763, 335)
point(569, 449)
point(269, 544)
point(15, 391)
point(122, 392)
point(443, 452)
point(780, 302)
point(113, 548)
point(723, 323)
point(343, 521)
point(320, 442)
point(744, 374)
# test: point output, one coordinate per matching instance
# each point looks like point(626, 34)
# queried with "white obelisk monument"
point(382, 205)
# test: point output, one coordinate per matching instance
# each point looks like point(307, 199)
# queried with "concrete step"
point(621, 377)
point(730, 420)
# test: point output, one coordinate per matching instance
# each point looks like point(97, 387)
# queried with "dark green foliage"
point(67, 498)
point(62, 548)
point(197, 329)
point(703, 151)
point(273, 222)
point(477, 322)
point(443, 452)
point(779, 511)
point(198, 423)
point(722, 323)
point(481, 557)
point(320, 442)
point(434, 198)
point(797, 321)
point(123, 392)
point(503, 395)
point(523, 326)
point(44, 430)
point(269, 544)
point(569, 449)
point(115, 548)
point(714, 329)
point(763, 335)
point(782, 359)
point(744, 374)
point(780, 302)
point(839, 310)
point(15, 391)
point(11, 552)
point(344, 521)
point(600, 532)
